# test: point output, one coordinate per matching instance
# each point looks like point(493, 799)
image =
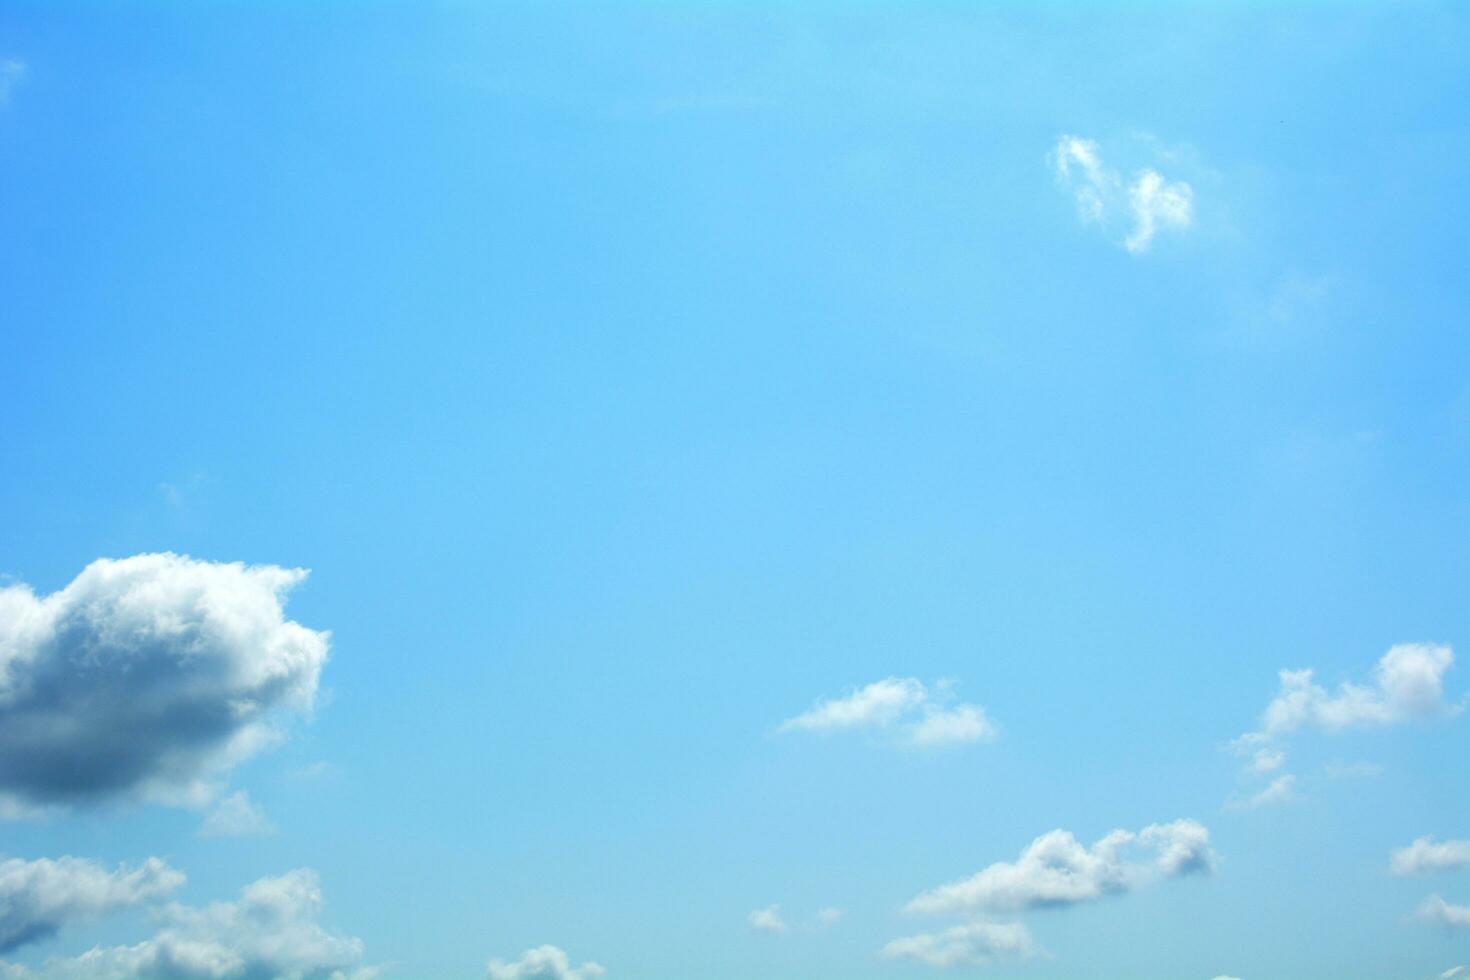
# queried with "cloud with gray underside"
point(271, 932)
point(147, 677)
point(38, 898)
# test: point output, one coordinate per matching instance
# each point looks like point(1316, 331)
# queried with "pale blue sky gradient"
point(630, 377)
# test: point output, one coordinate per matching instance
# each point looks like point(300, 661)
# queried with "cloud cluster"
point(971, 944)
point(543, 963)
point(1056, 870)
point(1152, 203)
point(147, 676)
point(38, 897)
point(920, 715)
point(1426, 856)
point(1407, 685)
point(270, 932)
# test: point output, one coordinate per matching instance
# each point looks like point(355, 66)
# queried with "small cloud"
point(1455, 971)
point(12, 73)
point(1426, 856)
point(918, 713)
point(828, 917)
point(767, 919)
point(1150, 202)
point(973, 944)
point(1281, 790)
point(1436, 911)
point(1267, 760)
point(236, 816)
point(543, 963)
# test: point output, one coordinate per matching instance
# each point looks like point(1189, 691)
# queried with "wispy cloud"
point(920, 715)
point(972, 944)
point(12, 73)
point(1282, 789)
point(1436, 911)
point(767, 919)
point(1148, 203)
point(236, 816)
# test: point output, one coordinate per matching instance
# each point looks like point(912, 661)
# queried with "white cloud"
point(880, 703)
point(1408, 685)
point(147, 676)
point(1282, 789)
point(1455, 971)
point(236, 816)
point(972, 944)
point(1267, 760)
point(919, 715)
point(767, 919)
point(1055, 869)
point(1150, 202)
point(1157, 204)
point(38, 897)
point(1078, 164)
point(1426, 855)
point(960, 724)
point(1437, 911)
point(543, 963)
point(828, 917)
point(12, 73)
point(270, 932)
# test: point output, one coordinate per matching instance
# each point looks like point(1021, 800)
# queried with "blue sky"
point(758, 466)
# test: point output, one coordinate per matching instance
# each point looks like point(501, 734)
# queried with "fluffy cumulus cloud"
point(147, 676)
point(1148, 202)
point(767, 919)
point(1455, 971)
point(972, 944)
point(1426, 855)
point(236, 816)
point(38, 897)
point(543, 963)
point(917, 713)
point(1408, 685)
point(1056, 869)
point(1436, 911)
point(270, 932)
